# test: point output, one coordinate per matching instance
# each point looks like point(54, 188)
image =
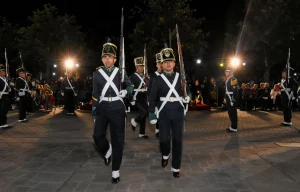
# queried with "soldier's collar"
point(109, 69)
point(141, 74)
point(168, 73)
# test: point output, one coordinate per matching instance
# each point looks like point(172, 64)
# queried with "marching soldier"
point(29, 107)
point(153, 76)
point(68, 90)
point(288, 86)
point(108, 108)
point(231, 95)
point(23, 92)
point(4, 98)
point(167, 94)
point(139, 97)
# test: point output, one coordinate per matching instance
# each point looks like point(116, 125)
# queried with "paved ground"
point(54, 152)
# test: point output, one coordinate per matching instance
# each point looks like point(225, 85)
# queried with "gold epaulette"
point(94, 98)
point(99, 67)
point(233, 81)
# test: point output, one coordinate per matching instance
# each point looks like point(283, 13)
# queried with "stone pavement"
point(54, 152)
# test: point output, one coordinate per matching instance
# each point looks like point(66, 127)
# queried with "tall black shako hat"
point(139, 61)
point(167, 54)
point(2, 67)
point(158, 58)
point(109, 49)
point(20, 69)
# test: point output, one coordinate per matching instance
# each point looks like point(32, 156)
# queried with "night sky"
point(104, 19)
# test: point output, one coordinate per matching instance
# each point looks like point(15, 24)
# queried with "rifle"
point(288, 66)
point(7, 67)
point(21, 59)
point(146, 75)
point(122, 54)
point(181, 64)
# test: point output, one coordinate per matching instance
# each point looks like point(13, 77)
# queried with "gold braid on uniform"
point(94, 98)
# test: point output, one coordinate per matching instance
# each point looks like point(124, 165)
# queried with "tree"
point(50, 38)
point(160, 16)
point(8, 36)
point(268, 30)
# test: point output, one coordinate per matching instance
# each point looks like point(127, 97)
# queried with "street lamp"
point(54, 65)
point(53, 74)
point(69, 63)
point(235, 62)
point(198, 61)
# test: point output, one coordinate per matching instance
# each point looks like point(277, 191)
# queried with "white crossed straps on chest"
point(139, 87)
point(26, 88)
point(109, 83)
point(168, 98)
point(157, 73)
point(286, 90)
point(5, 86)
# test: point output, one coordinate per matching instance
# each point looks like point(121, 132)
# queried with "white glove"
point(123, 93)
point(186, 99)
point(11, 84)
point(18, 99)
point(231, 103)
point(75, 94)
point(62, 93)
point(154, 121)
point(132, 102)
point(293, 98)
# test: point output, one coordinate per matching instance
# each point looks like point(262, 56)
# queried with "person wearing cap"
point(153, 76)
point(231, 95)
point(69, 91)
point(29, 104)
point(23, 91)
point(288, 87)
point(108, 109)
point(167, 94)
point(139, 98)
point(4, 98)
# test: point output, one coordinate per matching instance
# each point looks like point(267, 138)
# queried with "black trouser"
point(142, 115)
point(29, 104)
point(22, 107)
point(4, 107)
point(115, 118)
point(168, 120)
point(232, 112)
point(286, 109)
point(69, 101)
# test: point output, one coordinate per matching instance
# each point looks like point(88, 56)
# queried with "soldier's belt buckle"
point(142, 90)
point(109, 99)
point(171, 99)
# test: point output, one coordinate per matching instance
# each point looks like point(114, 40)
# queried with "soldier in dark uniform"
point(23, 92)
point(4, 98)
point(139, 97)
point(167, 94)
point(288, 86)
point(152, 77)
point(29, 104)
point(108, 109)
point(231, 95)
point(69, 91)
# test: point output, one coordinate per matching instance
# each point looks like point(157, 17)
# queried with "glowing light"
point(77, 65)
point(221, 64)
point(244, 64)
point(198, 61)
point(235, 62)
point(54, 65)
point(60, 77)
point(53, 73)
point(69, 63)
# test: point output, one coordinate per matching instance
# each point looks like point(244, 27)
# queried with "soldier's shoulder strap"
point(99, 67)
